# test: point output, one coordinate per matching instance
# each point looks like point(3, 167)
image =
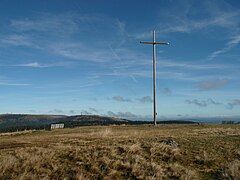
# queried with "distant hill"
point(28, 117)
point(15, 122)
point(92, 120)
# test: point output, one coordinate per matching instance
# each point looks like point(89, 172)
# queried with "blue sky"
point(72, 57)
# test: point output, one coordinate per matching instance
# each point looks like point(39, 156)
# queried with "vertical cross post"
point(154, 75)
point(154, 82)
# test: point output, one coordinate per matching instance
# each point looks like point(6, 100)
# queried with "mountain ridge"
point(16, 122)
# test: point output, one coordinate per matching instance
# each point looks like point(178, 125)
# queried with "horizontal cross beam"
point(164, 43)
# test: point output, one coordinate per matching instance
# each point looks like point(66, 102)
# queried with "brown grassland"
point(123, 152)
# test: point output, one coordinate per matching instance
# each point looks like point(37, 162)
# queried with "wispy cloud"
point(212, 84)
point(197, 102)
point(39, 65)
point(121, 114)
point(225, 20)
point(33, 65)
point(78, 51)
point(19, 40)
point(166, 91)
point(145, 99)
point(186, 18)
point(233, 103)
point(202, 103)
point(120, 58)
point(13, 84)
point(229, 45)
point(148, 74)
point(94, 110)
point(193, 66)
point(60, 24)
point(121, 26)
point(224, 17)
point(121, 99)
point(7, 82)
point(182, 21)
point(56, 111)
point(72, 112)
point(55, 33)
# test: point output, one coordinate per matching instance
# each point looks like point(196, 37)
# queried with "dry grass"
point(123, 152)
point(232, 171)
point(17, 133)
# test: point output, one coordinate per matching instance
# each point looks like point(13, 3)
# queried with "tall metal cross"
point(154, 75)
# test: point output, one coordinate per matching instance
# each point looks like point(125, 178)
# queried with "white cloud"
point(39, 65)
point(33, 65)
point(235, 40)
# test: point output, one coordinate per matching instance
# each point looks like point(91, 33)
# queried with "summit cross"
point(154, 75)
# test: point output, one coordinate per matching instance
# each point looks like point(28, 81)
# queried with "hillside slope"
point(123, 152)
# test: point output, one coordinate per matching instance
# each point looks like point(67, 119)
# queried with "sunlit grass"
point(123, 152)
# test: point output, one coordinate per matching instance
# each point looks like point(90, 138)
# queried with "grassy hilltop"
point(122, 152)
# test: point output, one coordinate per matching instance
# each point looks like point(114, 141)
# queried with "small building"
point(227, 122)
point(57, 126)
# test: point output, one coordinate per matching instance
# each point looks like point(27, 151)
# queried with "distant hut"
point(57, 126)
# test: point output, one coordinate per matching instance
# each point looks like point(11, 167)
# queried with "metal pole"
point(154, 81)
